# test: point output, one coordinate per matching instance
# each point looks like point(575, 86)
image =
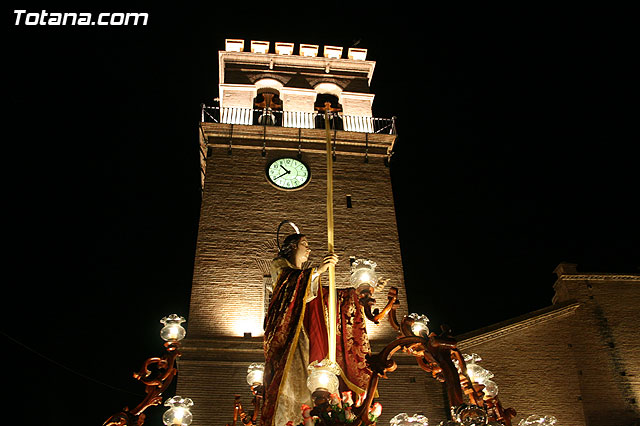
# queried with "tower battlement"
point(295, 84)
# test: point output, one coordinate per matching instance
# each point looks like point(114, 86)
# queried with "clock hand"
point(286, 171)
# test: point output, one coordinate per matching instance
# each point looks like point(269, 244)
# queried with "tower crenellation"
point(297, 79)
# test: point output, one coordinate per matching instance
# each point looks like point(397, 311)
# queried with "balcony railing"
point(296, 119)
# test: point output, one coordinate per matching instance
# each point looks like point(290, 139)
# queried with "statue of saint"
point(296, 333)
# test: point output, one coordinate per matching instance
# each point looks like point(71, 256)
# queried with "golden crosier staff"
point(330, 246)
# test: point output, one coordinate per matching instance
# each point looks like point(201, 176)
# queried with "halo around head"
point(293, 225)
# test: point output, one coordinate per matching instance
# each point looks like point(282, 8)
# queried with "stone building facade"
point(576, 359)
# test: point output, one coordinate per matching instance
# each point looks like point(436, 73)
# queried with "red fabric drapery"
point(288, 313)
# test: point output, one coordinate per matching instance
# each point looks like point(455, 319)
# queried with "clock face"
point(288, 173)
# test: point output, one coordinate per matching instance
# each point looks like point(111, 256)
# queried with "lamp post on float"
point(156, 374)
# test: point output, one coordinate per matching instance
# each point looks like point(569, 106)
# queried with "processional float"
point(434, 353)
point(472, 397)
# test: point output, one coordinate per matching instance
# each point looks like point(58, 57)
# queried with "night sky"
point(516, 151)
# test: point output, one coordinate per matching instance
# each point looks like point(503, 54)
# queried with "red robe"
point(287, 316)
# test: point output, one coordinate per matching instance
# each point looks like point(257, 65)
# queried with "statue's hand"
point(330, 259)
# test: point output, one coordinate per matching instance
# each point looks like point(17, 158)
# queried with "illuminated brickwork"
point(241, 211)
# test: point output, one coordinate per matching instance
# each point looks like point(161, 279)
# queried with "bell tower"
point(263, 160)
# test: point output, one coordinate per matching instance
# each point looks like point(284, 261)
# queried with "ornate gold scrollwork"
point(156, 374)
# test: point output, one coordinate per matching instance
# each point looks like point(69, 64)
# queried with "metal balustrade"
point(296, 119)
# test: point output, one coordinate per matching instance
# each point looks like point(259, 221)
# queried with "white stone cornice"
point(599, 277)
point(295, 61)
point(356, 95)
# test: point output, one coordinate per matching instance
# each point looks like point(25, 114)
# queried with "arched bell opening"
point(268, 106)
point(330, 102)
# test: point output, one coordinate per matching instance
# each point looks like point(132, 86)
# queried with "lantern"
point(255, 374)
point(323, 376)
point(419, 325)
point(403, 419)
point(172, 331)
point(178, 414)
point(363, 274)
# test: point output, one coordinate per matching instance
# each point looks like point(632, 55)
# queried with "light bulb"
point(178, 414)
point(173, 332)
point(323, 379)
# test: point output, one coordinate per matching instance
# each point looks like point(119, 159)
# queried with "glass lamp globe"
point(538, 420)
point(255, 374)
point(403, 419)
point(172, 331)
point(470, 415)
point(490, 388)
point(363, 273)
point(476, 373)
point(179, 413)
point(420, 324)
point(323, 376)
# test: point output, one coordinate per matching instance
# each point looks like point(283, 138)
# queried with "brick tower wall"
point(239, 216)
